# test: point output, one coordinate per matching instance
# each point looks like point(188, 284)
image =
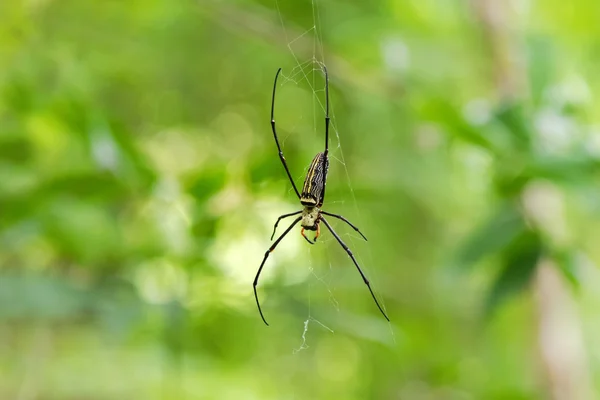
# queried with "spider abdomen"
point(313, 189)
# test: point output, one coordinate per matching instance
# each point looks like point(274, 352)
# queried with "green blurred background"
point(139, 183)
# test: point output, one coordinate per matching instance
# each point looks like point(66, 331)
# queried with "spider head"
point(310, 218)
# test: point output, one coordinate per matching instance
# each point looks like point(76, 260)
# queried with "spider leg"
point(282, 217)
point(263, 263)
point(346, 221)
point(326, 111)
point(356, 264)
point(281, 157)
point(304, 236)
point(327, 119)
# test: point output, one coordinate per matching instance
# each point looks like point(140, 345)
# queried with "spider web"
point(310, 71)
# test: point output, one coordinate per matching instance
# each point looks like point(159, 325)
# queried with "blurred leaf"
point(88, 186)
point(17, 207)
point(512, 116)
point(16, 149)
point(567, 262)
point(40, 297)
point(18, 94)
point(541, 66)
point(136, 168)
point(205, 183)
point(451, 118)
point(491, 236)
point(176, 318)
point(511, 175)
point(519, 261)
point(573, 169)
point(114, 304)
point(80, 230)
point(91, 186)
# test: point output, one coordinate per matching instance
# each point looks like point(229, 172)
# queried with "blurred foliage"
point(139, 183)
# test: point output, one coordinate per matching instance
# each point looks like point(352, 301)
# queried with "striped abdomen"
point(312, 191)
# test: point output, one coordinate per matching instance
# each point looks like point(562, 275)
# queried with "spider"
point(311, 198)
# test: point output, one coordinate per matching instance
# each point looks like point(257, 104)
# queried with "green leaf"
point(542, 65)
point(451, 118)
point(575, 169)
point(492, 236)
point(519, 261)
point(32, 296)
point(567, 263)
point(203, 184)
point(512, 117)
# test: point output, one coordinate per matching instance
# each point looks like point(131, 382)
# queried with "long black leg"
point(282, 217)
point(326, 152)
point(346, 221)
point(281, 157)
point(326, 111)
point(263, 263)
point(355, 263)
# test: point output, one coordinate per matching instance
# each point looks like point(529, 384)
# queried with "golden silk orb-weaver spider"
point(311, 198)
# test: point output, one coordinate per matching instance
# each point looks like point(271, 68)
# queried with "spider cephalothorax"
point(311, 217)
point(311, 197)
